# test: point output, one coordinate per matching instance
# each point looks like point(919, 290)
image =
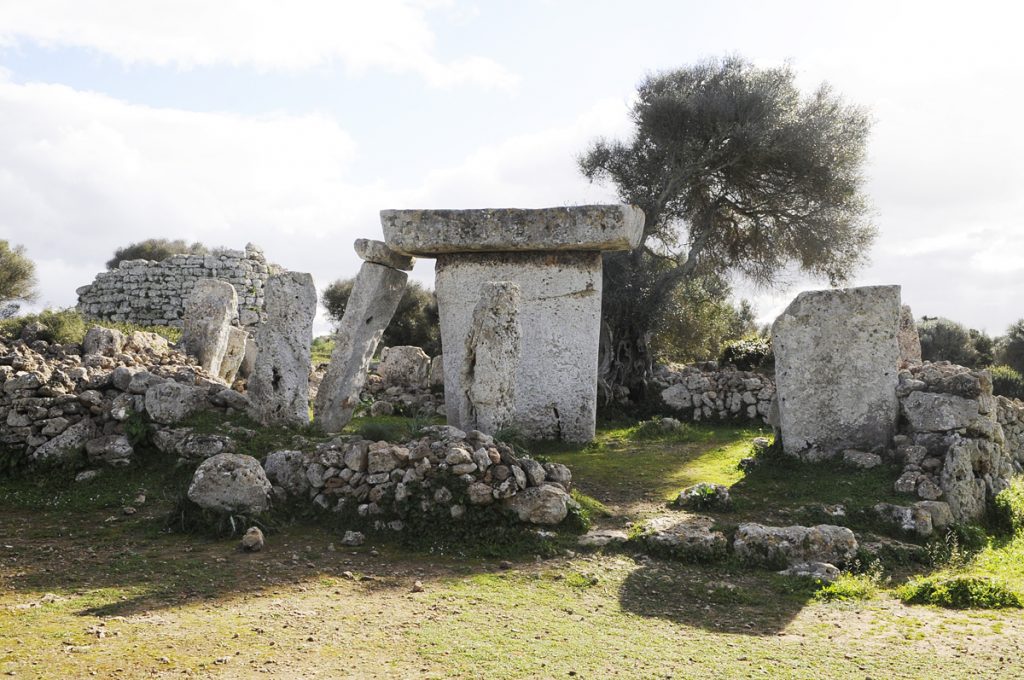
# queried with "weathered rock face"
point(908, 339)
point(378, 252)
point(231, 483)
point(836, 359)
point(491, 360)
point(541, 505)
point(559, 318)
point(404, 366)
point(578, 228)
point(764, 545)
point(208, 313)
point(66, 448)
point(151, 293)
point(374, 299)
point(287, 469)
point(279, 385)
point(234, 354)
point(689, 538)
point(170, 402)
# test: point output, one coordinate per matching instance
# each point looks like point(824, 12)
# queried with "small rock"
point(253, 540)
point(417, 587)
point(353, 538)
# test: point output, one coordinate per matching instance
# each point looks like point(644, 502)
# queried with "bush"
point(849, 588)
point(1009, 507)
point(415, 321)
point(68, 326)
point(748, 354)
point(960, 592)
point(1007, 382)
point(946, 340)
point(154, 249)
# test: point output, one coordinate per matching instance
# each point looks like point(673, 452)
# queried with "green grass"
point(69, 326)
point(849, 588)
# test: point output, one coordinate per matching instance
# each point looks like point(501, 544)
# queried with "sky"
point(290, 125)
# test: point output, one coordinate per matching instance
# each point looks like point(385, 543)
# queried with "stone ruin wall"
point(152, 293)
point(705, 391)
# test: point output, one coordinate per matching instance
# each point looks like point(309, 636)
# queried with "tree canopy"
point(943, 339)
point(737, 172)
point(17, 278)
point(155, 249)
point(415, 321)
point(1011, 349)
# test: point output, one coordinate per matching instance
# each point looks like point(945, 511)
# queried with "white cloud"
point(393, 35)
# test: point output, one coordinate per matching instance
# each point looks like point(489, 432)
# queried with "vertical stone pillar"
point(234, 353)
point(279, 385)
point(836, 359)
point(374, 299)
point(491, 360)
point(208, 313)
point(554, 256)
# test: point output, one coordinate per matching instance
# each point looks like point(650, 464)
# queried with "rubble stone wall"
point(706, 392)
point(154, 293)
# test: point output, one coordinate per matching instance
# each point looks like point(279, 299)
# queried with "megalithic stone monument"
point(206, 333)
point(493, 352)
point(373, 301)
point(554, 256)
point(836, 366)
point(279, 386)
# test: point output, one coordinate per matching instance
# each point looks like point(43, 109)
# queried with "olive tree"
point(738, 173)
point(17, 278)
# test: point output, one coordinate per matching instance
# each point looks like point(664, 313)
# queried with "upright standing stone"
point(836, 358)
point(491, 360)
point(279, 385)
point(373, 302)
point(208, 313)
point(554, 256)
point(908, 338)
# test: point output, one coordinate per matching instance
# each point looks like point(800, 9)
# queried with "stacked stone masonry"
point(706, 392)
point(154, 293)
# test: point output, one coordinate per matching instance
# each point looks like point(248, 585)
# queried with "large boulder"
point(287, 469)
point(231, 483)
point(689, 538)
point(541, 504)
point(105, 341)
point(836, 358)
point(774, 546)
point(404, 366)
point(171, 402)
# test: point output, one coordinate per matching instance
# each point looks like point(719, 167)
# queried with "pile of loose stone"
point(706, 392)
point(444, 469)
point(405, 381)
point(154, 293)
point(68, 404)
point(959, 445)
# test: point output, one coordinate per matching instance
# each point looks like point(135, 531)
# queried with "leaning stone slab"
point(234, 353)
point(378, 252)
point(370, 307)
point(585, 227)
point(836, 359)
point(208, 313)
point(279, 385)
point(491, 359)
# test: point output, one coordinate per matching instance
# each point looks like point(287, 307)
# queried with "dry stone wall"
point(154, 293)
point(706, 392)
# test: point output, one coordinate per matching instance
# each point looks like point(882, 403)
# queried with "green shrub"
point(849, 588)
point(68, 326)
point(747, 354)
point(960, 592)
point(1007, 382)
point(1009, 507)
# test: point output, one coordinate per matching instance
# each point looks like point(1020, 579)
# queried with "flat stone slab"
point(378, 252)
point(584, 227)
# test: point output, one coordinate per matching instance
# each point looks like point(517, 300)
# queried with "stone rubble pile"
point(443, 470)
point(74, 405)
point(154, 293)
point(958, 444)
point(406, 381)
point(706, 392)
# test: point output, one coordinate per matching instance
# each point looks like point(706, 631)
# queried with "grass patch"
point(66, 326)
point(1009, 507)
point(849, 588)
point(960, 592)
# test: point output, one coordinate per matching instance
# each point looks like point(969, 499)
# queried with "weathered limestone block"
point(760, 544)
point(404, 365)
point(541, 505)
point(171, 402)
point(371, 305)
point(559, 317)
point(378, 252)
point(908, 339)
point(67, 448)
point(279, 385)
point(231, 483)
point(491, 360)
point(105, 341)
point(931, 412)
point(234, 353)
point(208, 313)
point(836, 358)
point(585, 227)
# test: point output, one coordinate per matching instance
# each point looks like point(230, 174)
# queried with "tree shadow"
point(716, 597)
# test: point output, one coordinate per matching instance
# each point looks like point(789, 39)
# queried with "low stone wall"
point(154, 293)
point(706, 392)
point(72, 405)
